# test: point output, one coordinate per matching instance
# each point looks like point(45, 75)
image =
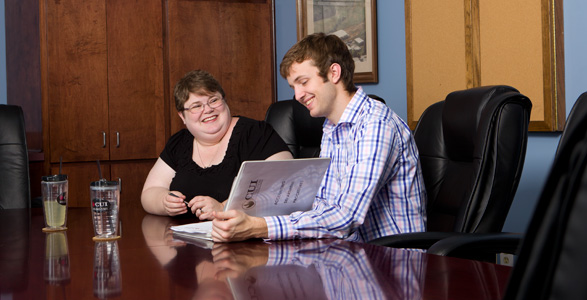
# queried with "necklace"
point(200, 156)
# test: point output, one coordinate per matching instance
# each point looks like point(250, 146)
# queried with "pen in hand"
point(176, 196)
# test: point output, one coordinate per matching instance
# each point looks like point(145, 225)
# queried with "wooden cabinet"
point(104, 80)
point(107, 69)
point(103, 88)
point(234, 41)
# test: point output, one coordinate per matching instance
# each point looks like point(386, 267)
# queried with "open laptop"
point(268, 188)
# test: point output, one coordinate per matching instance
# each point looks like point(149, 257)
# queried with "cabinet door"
point(232, 40)
point(76, 77)
point(135, 79)
point(132, 177)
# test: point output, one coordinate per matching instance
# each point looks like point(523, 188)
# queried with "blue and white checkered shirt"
point(373, 186)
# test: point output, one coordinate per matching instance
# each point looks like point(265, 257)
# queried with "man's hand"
point(234, 225)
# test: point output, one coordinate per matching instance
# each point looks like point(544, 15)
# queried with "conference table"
point(147, 262)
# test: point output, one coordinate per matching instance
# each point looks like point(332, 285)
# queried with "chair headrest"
point(11, 124)
point(462, 131)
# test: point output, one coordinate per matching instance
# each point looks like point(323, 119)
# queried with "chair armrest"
point(478, 246)
point(418, 240)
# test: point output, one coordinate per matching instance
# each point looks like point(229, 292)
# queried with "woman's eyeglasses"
point(199, 107)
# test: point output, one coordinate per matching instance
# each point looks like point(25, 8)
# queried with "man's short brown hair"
point(323, 50)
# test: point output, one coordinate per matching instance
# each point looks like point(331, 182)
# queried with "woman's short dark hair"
point(198, 82)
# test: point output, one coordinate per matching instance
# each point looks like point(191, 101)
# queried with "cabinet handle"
point(117, 139)
point(103, 139)
point(120, 185)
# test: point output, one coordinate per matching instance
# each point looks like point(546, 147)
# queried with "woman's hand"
point(203, 206)
point(174, 203)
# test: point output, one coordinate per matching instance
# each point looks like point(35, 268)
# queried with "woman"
point(194, 173)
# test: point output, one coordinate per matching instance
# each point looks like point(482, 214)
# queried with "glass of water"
point(105, 197)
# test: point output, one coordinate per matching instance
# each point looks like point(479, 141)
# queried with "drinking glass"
point(54, 191)
point(105, 197)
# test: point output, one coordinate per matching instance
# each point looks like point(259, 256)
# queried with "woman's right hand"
point(174, 203)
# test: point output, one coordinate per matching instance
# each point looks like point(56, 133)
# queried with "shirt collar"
point(352, 111)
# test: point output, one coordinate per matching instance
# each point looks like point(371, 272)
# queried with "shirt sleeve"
point(361, 166)
point(175, 147)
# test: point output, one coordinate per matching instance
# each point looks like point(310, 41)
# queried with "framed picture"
point(354, 21)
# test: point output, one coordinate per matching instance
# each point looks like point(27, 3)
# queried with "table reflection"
point(317, 269)
point(70, 265)
point(56, 258)
point(14, 259)
point(309, 269)
point(107, 275)
point(188, 265)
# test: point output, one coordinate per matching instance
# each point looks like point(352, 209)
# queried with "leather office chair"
point(301, 132)
point(472, 148)
point(484, 247)
point(14, 163)
point(551, 263)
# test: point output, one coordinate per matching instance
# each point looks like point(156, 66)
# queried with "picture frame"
point(354, 21)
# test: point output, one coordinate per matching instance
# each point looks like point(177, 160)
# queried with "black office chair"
point(14, 163)
point(551, 263)
point(472, 148)
point(301, 132)
point(485, 247)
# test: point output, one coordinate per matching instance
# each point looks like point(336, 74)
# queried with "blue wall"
point(541, 146)
point(392, 84)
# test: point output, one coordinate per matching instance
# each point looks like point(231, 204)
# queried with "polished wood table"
point(148, 263)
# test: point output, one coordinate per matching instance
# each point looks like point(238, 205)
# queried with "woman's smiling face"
point(209, 121)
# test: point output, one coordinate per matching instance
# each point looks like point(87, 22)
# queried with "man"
point(373, 187)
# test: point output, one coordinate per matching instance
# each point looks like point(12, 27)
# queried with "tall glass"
point(54, 191)
point(105, 197)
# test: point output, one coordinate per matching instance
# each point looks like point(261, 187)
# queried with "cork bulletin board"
point(458, 44)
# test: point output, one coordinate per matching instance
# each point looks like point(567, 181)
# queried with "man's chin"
point(314, 114)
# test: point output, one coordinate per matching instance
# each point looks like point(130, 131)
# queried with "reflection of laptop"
point(270, 188)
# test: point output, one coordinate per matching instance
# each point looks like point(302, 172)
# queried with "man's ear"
point(334, 73)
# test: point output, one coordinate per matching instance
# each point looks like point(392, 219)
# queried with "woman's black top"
point(250, 140)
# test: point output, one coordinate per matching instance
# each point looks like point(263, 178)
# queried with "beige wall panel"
point(515, 28)
point(438, 52)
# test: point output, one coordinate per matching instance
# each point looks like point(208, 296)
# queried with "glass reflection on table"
point(107, 278)
point(56, 267)
point(56, 258)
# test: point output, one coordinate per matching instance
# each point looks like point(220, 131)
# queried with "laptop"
point(268, 188)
